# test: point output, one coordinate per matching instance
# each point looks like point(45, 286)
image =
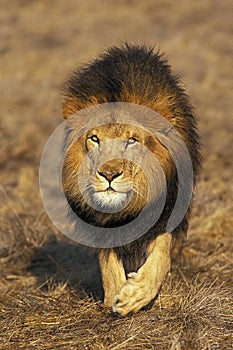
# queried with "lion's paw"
point(134, 294)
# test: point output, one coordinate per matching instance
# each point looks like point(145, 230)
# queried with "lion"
point(114, 188)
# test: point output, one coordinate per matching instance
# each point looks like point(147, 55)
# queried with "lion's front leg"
point(113, 275)
point(142, 286)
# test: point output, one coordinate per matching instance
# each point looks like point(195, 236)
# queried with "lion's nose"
point(109, 175)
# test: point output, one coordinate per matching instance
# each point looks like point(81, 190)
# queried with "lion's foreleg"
point(113, 275)
point(142, 286)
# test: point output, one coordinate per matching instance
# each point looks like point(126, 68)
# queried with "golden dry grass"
point(50, 291)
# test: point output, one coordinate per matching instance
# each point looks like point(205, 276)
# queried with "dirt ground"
point(50, 291)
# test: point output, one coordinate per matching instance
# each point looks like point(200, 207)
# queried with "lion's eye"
point(131, 141)
point(94, 138)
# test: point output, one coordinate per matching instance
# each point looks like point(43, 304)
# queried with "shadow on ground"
point(65, 263)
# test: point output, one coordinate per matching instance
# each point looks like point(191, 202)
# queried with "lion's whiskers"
point(138, 193)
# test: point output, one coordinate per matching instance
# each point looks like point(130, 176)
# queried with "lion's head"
point(107, 171)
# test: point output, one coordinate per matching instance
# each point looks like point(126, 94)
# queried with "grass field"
point(50, 290)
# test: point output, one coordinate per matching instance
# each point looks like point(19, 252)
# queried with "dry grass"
point(50, 291)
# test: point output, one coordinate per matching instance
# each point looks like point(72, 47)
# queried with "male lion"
point(132, 274)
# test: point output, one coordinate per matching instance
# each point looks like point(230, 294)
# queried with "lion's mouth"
point(110, 189)
point(110, 199)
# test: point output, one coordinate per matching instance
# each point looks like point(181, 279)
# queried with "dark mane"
point(134, 74)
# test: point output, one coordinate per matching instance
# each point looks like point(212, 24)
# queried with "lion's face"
point(104, 172)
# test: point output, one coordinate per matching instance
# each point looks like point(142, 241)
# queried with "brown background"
point(50, 289)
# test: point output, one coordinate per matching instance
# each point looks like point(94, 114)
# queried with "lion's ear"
point(70, 106)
